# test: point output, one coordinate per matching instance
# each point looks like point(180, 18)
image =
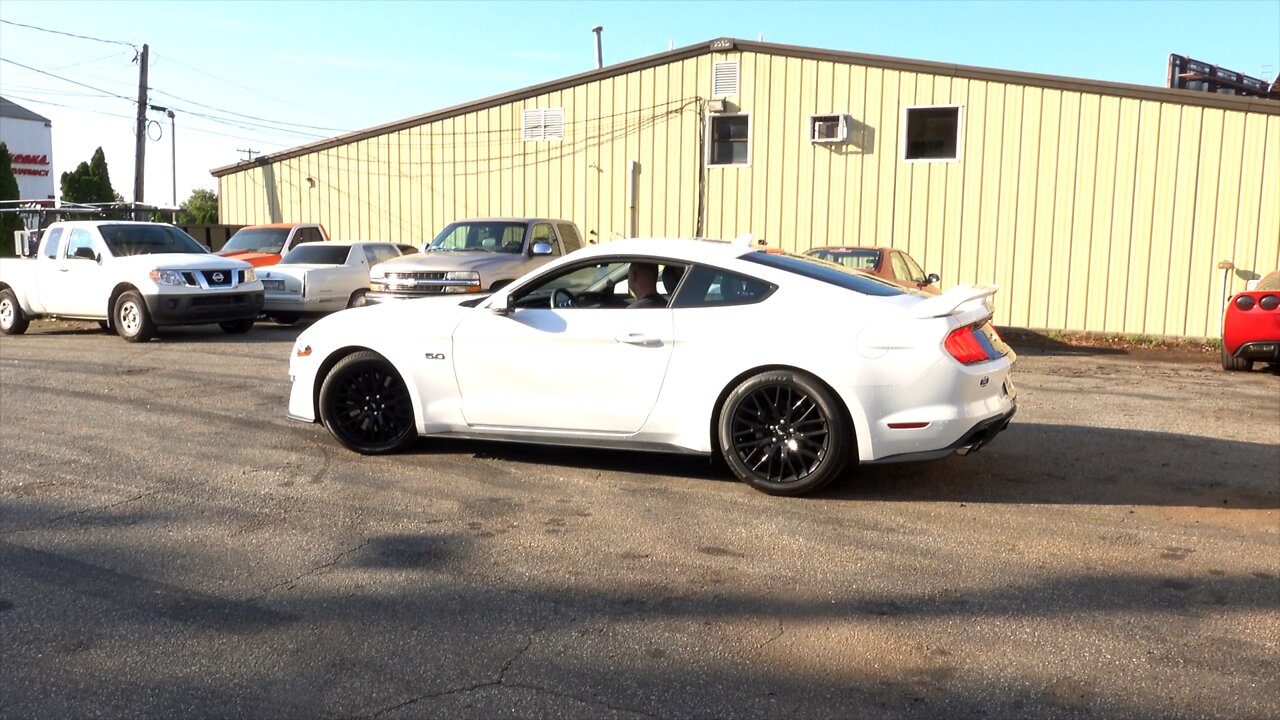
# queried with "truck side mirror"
point(541, 247)
point(933, 278)
point(85, 253)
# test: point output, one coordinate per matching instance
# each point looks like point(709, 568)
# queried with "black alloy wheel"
point(366, 405)
point(784, 433)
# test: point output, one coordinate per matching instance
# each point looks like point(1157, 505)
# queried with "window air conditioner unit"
point(829, 129)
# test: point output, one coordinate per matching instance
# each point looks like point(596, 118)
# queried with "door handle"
point(62, 269)
point(637, 339)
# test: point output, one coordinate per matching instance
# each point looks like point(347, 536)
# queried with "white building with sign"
point(29, 138)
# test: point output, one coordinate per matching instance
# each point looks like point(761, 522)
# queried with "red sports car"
point(1251, 328)
point(893, 265)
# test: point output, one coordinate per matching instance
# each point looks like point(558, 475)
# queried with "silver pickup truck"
point(471, 256)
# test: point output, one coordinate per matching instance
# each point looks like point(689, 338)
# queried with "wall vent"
point(724, 79)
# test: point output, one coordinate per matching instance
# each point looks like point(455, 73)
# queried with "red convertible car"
point(893, 265)
point(1251, 328)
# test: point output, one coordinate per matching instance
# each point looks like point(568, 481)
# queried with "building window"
point(724, 79)
point(543, 124)
point(828, 128)
point(931, 134)
point(730, 140)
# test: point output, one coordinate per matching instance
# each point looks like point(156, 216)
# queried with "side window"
point(80, 238)
point(710, 287)
point(307, 235)
point(569, 234)
point(53, 243)
point(598, 284)
point(917, 275)
point(901, 272)
point(543, 232)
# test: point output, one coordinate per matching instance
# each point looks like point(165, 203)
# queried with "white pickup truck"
point(129, 276)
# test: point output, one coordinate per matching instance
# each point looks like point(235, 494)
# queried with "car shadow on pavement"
point(1028, 463)
point(1065, 464)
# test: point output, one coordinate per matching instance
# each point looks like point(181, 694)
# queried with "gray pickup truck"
point(471, 256)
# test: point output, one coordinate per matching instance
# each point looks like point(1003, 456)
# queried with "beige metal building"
point(1096, 206)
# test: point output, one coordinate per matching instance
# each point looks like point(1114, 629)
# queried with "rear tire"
point(366, 405)
point(1235, 364)
point(357, 299)
point(784, 433)
point(131, 319)
point(13, 321)
point(284, 318)
point(236, 327)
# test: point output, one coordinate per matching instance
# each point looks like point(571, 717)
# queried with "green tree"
point(89, 182)
point(199, 209)
point(9, 222)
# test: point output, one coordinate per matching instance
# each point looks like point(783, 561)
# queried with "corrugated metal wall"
point(1093, 212)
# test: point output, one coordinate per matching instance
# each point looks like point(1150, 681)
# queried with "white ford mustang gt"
point(788, 367)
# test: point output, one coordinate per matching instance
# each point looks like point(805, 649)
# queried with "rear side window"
point(316, 254)
point(55, 241)
point(825, 272)
point(569, 234)
point(710, 287)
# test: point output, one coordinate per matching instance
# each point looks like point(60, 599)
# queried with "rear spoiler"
point(950, 301)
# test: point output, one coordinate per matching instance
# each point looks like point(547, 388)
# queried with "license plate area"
point(273, 285)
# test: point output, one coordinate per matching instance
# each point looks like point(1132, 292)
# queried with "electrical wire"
point(245, 87)
point(67, 34)
point(250, 117)
point(73, 82)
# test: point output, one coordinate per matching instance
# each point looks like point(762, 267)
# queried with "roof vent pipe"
point(599, 47)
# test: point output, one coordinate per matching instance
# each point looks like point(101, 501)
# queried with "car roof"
point(511, 219)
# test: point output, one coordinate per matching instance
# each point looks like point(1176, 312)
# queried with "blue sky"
point(331, 67)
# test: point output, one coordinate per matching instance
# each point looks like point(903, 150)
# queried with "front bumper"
point(196, 308)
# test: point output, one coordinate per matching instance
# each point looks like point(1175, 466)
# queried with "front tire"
point(366, 406)
point(784, 433)
point(13, 321)
point(1235, 364)
point(236, 327)
point(131, 318)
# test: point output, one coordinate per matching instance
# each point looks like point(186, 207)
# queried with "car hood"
point(256, 259)
point(180, 261)
point(427, 316)
point(447, 260)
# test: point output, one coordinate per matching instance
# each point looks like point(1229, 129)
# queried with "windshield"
point(263, 240)
point(124, 240)
point(826, 272)
point(856, 258)
point(493, 236)
point(316, 254)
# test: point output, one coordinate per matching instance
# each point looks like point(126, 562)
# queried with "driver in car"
point(642, 280)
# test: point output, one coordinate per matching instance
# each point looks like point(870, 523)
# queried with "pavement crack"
point(81, 511)
point(780, 633)
point(309, 572)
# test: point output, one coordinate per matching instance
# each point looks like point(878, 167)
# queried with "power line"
point(251, 117)
point(67, 34)
point(59, 77)
point(245, 87)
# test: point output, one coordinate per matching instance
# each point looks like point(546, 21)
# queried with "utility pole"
point(249, 151)
point(140, 149)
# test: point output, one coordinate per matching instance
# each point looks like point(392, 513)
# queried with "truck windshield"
point(494, 236)
point(123, 240)
point(263, 240)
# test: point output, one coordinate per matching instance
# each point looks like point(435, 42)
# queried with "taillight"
point(965, 347)
point(1245, 302)
point(1269, 302)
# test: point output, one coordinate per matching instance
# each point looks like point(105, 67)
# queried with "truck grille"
point(219, 278)
point(394, 276)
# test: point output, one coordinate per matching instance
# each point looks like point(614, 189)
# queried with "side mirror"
point(933, 278)
point(85, 253)
point(541, 247)
point(502, 304)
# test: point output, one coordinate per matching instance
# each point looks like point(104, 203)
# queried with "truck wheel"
point(12, 320)
point(236, 327)
point(357, 299)
point(132, 321)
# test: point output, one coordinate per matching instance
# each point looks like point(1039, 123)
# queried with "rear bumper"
point(982, 432)
point(286, 303)
point(1263, 351)
point(171, 309)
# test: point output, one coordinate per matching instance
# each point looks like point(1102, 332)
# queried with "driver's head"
point(642, 279)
